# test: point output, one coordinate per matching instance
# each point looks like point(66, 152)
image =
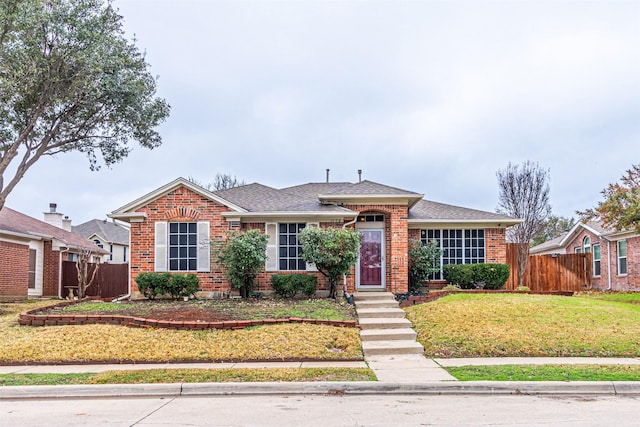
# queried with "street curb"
point(331, 388)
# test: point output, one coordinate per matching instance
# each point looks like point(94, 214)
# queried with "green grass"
point(231, 309)
point(495, 325)
point(624, 297)
point(547, 373)
point(150, 376)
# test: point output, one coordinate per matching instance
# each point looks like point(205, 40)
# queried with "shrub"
point(242, 255)
point(494, 276)
point(153, 284)
point(288, 285)
point(177, 285)
point(424, 259)
point(182, 285)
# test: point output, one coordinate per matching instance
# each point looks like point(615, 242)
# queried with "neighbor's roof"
point(107, 231)
point(19, 225)
point(551, 244)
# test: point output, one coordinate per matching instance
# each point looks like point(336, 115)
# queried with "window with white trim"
point(577, 250)
point(596, 260)
point(458, 246)
point(289, 248)
point(183, 246)
point(586, 244)
point(622, 257)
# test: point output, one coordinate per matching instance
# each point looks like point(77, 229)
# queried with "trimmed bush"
point(494, 276)
point(153, 284)
point(177, 285)
point(288, 285)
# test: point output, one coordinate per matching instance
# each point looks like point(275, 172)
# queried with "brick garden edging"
point(33, 318)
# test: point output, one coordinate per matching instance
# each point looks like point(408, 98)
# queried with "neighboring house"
point(32, 251)
point(112, 237)
point(615, 254)
point(172, 226)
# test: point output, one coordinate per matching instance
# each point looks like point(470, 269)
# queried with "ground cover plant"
point(147, 376)
point(546, 373)
point(217, 309)
point(486, 325)
point(81, 343)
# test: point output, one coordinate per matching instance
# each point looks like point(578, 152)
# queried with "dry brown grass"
point(110, 343)
point(526, 325)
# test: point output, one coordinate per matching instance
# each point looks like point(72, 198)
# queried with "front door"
point(371, 262)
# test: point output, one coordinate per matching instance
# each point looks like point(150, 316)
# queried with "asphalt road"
point(327, 410)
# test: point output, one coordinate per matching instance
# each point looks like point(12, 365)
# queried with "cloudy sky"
point(429, 96)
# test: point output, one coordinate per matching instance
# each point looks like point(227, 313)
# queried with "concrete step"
point(368, 313)
point(362, 296)
point(384, 323)
point(381, 303)
point(374, 348)
point(404, 334)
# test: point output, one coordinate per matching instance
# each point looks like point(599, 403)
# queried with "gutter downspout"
point(344, 276)
point(62, 251)
point(608, 264)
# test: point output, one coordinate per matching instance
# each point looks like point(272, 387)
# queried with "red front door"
point(371, 259)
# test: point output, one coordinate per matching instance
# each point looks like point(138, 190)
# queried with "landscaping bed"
point(193, 314)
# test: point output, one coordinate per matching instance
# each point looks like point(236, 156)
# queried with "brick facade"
point(14, 270)
point(609, 261)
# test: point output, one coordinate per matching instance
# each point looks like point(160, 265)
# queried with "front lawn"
point(546, 373)
point(500, 325)
point(83, 343)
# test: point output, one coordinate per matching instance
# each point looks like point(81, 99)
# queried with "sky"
point(429, 96)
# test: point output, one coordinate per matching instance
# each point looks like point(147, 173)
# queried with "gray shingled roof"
point(15, 222)
point(428, 210)
point(370, 188)
point(108, 231)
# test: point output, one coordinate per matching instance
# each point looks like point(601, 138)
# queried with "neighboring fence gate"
point(110, 282)
point(549, 273)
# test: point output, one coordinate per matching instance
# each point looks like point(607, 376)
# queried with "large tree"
point(332, 250)
point(524, 194)
point(621, 206)
point(70, 81)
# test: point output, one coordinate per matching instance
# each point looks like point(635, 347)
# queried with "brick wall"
point(628, 282)
point(51, 271)
point(496, 243)
point(14, 270)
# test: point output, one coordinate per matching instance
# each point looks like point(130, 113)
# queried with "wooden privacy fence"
point(551, 273)
point(111, 279)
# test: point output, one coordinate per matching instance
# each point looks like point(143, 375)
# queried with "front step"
point(404, 334)
point(369, 296)
point(377, 303)
point(376, 348)
point(382, 323)
point(368, 313)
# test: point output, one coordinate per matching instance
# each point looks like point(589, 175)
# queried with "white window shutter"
point(160, 255)
point(204, 249)
point(310, 266)
point(271, 228)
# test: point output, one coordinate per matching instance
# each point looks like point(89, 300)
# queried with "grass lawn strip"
point(85, 343)
point(503, 325)
point(151, 376)
point(546, 373)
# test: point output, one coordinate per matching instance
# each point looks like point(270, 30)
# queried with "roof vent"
point(52, 207)
point(359, 175)
point(327, 176)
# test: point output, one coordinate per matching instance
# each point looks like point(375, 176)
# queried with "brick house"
point(615, 254)
point(172, 225)
point(32, 251)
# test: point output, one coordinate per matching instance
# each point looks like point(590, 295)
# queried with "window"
point(98, 243)
point(32, 268)
point(289, 248)
point(596, 260)
point(622, 257)
point(586, 244)
point(577, 250)
point(458, 246)
point(110, 252)
point(183, 246)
